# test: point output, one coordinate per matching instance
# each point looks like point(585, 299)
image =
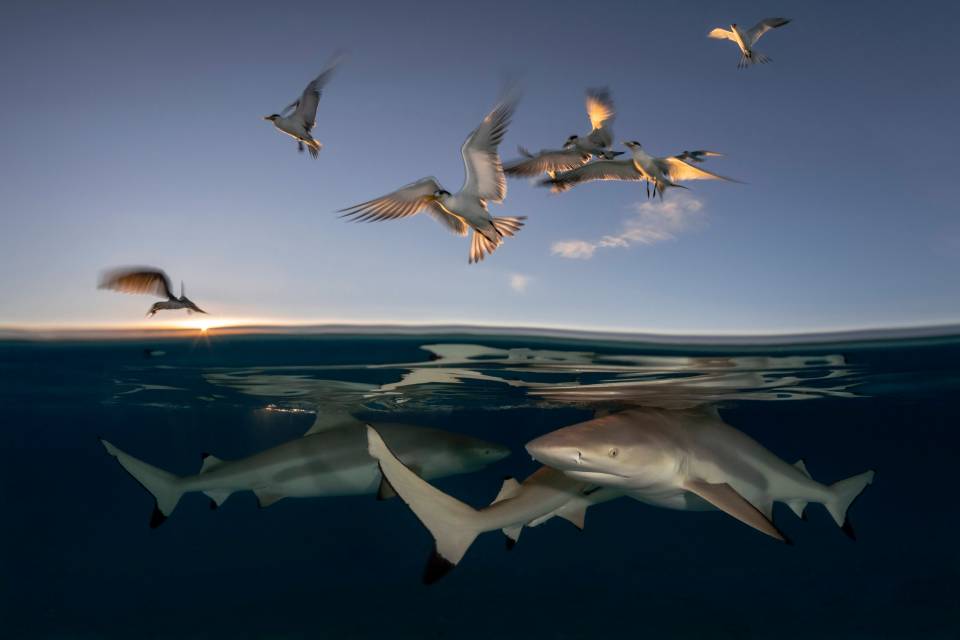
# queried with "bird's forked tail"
point(755, 57)
point(163, 485)
point(481, 246)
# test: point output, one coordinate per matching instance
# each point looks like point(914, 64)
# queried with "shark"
point(454, 525)
point(330, 459)
point(692, 460)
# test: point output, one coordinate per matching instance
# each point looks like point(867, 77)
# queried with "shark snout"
point(558, 456)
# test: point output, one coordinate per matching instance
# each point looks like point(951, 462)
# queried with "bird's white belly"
point(293, 130)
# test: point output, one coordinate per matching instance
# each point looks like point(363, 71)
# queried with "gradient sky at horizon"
point(132, 135)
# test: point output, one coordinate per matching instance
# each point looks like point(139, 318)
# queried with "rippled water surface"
point(78, 558)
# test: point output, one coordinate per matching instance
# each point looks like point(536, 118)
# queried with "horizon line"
point(827, 336)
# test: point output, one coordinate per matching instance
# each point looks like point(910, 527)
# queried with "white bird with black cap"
point(467, 209)
point(300, 116)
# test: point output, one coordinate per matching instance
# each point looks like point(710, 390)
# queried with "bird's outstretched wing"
point(722, 34)
point(481, 160)
point(305, 107)
point(454, 224)
point(677, 170)
point(601, 113)
point(148, 280)
point(402, 203)
point(757, 30)
point(546, 161)
point(596, 170)
point(696, 155)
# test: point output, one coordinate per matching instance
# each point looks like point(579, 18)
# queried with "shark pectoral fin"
point(386, 490)
point(513, 534)
point(508, 490)
point(725, 498)
point(209, 462)
point(265, 497)
point(219, 496)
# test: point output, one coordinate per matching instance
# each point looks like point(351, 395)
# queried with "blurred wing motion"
point(601, 113)
point(697, 156)
point(597, 170)
point(405, 202)
point(547, 161)
point(148, 280)
point(722, 34)
point(676, 170)
point(756, 31)
point(484, 171)
point(305, 108)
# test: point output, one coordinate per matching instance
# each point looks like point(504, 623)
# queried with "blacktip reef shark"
point(329, 460)
point(454, 525)
point(661, 456)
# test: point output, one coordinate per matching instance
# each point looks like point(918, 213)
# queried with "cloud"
point(574, 249)
point(652, 222)
point(519, 282)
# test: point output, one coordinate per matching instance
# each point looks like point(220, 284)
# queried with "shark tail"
point(844, 493)
point(453, 524)
point(164, 486)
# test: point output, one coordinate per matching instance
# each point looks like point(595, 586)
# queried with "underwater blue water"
point(78, 559)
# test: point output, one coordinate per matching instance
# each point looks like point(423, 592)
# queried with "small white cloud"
point(654, 222)
point(575, 249)
point(519, 282)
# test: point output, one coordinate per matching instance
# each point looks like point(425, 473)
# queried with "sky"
point(133, 134)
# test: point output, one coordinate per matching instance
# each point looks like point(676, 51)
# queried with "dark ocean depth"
point(78, 558)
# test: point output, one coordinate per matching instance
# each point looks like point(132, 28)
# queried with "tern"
point(662, 172)
point(484, 182)
point(300, 116)
point(746, 39)
point(600, 139)
point(577, 150)
point(148, 280)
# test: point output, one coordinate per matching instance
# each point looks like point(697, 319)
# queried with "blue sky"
point(132, 135)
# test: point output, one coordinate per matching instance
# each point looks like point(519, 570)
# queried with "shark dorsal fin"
point(726, 498)
point(508, 490)
point(326, 420)
point(183, 292)
point(209, 462)
point(800, 464)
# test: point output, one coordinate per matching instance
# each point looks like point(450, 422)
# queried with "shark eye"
point(613, 452)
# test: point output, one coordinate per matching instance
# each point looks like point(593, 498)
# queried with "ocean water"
point(78, 558)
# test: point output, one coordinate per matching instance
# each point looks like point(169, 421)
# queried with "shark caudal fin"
point(164, 486)
point(453, 524)
point(844, 493)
